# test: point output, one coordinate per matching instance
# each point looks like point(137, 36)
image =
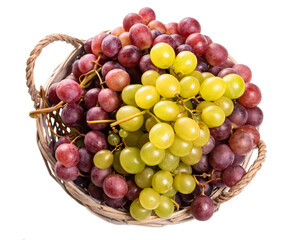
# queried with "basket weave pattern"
point(46, 139)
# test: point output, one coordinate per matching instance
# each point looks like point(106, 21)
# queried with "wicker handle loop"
point(254, 168)
point(33, 56)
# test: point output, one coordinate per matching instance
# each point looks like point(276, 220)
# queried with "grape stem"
point(175, 203)
point(35, 113)
point(128, 118)
point(152, 115)
point(101, 121)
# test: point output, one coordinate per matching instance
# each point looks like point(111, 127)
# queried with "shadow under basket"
point(46, 139)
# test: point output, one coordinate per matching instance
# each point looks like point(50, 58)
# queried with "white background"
point(33, 206)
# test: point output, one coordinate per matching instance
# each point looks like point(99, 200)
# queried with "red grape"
point(114, 202)
point(97, 113)
point(131, 19)
point(241, 143)
point(91, 97)
point(244, 71)
point(86, 63)
point(202, 208)
point(209, 146)
point(198, 189)
point(254, 133)
point(111, 45)
point(117, 31)
point(239, 159)
point(140, 36)
point(66, 173)
point(155, 24)
point(85, 162)
point(147, 14)
point(202, 65)
point(67, 154)
point(255, 116)
point(87, 45)
point(69, 91)
point(226, 71)
point(97, 42)
point(228, 64)
point(146, 64)
point(155, 33)
point(95, 141)
point(75, 69)
point(198, 42)
point(183, 47)
point(117, 79)
point(203, 165)
point(251, 97)
point(108, 66)
point(115, 186)
point(133, 190)
point(98, 175)
point(129, 56)
point(125, 39)
point(188, 26)
point(232, 175)
point(239, 116)
point(109, 100)
point(61, 140)
point(52, 95)
point(209, 40)
point(215, 70)
point(217, 183)
point(216, 54)
point(95, 192)
point(178, 39)
point(221, 157)
point(223, 131)
point(171, 28)
point(72, 114)
point(165, 38)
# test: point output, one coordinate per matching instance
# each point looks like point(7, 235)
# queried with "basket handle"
point(33, 56)
point(247, 178)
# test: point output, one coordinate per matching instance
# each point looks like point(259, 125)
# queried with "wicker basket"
point(45, 139)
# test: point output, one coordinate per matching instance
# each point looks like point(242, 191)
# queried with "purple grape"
point(75, 69)
point(95, 192)
point(239, 159)
point(91, 97)
point(109, 100)
point(129, 56)
point(82, 182)
point(209, 146)
point(179, 40)
point(72, 114)
point(115, 186)
point(241, 143)
point(111, 45)
point(221, 157)
point(52, 95)
point(61, 140)
point(239, 116)
point(133, 190)
point(98, 175)
point(135, 74)
point(146, 64)
point(87, 45)
point(66, 173)
point(223, 131)
point(183, 47)
point(255, 116)
point(114, 202)
point(226, 71)
point(85, 160)
point(198, 189)
point(216, 54)
point(232, 175)
point(203, 165)
point(202, 208)
point(95, 141)
point(202, 65)
point(217, 183)
point(155, 33)
point(86, 63)
point(215, 70)
point(165, 38)
point(97, 113)
point(110, 65)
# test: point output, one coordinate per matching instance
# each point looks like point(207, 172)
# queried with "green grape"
point(180, 148)
point(207, 75)
point(130, 160)
point(142, 140)
point(113, 139)
point(184, 183)
point(212, 88)
point(138, 212)
point(182, 111)
point(170, 161)
point(197, 75)
point(146, 97)
point(103, 159)
point(182, 167)
point(149, 123)
point(133, 124)
point(190, 87)
point(171, 192)
point(226, 104)
point(193, 157)
point(149, 77)
point(166, 110)
point(188, 104)
point(116, 163)
point(149, 198)
point(186, 128)
point(162, 181)
point(123, 133)
point(151, 155)
point(133, 137)
point(204, 135)
point(185, 62)
point(165, 208)
point(128, 94)
point(168, 86)
point(204, 104)
point(213, 116)
point(143, 179)
point(162, 55)
point(162, 135)
point(235, 86)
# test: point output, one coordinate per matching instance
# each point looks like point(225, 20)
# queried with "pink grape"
point(155, 24)
point(109, 100)
point(244, 71)
point(115, 186)
point(165, 38)
point(67, 154)
point(95, 141)
point(66, 173)
point(86, 63)
point(97, 113)
point(108, 66)
point(232, 175)
point(171, 28)
point(98, 175)
point(69, 91)
point(130, 20)
point(111, 45)
point(198, 42)
point(87, 45)
point(75, 69)
point(140, 36)
point(117, 79)
point(61, 140)
point(147, 14)
point(91, 97)
point(188, 26)
point(251, 97)
point(97, 42)
point(216, 54)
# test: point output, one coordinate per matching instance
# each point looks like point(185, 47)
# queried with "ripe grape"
point(239, 116)
point(97, 113)
point(133, 190)
point(133, 124)
point(198, 189)
point(85, 162)
point(202, 208)
point(216, 54)
point(209, 146)
point(221, 157)
point(66, 173)
point(186, 128)
point(251, 97)
point(114, 202)
point(179, 41)
point(108, 66)
point(255, 116)
point(244, 71)
point(111, 45)
point(232, 175)
point(149, 77)
point(171, 28)
point(213, 116)
point(185, 62)
point(117, 31)
point(155, 24)
point(165, 38)
point(165, 208)
point(130, 20)
point(131, 161)
point(125, 40)
point(98, 175)
point(155, 33)
point(226, 104)
point(147, 14)
point(168, 86)
point(103, 159)
point(188, 26)
point(222, 132)
point(239, 159)
point(75, 69)
point(162, 55)
point(193, 157)
point(226, 71)
point(180, 148)
point(207, 75)
point(72, 114)
point(95, 141)
point(97, 42)
point(146, 97)
point(149, 198)
point(69, 91)
point(117, 79)
point(91, 97)
point(52, 95)
point(128, 94)
point(140, 36)
point(109, 100)
point(241, 143)
point(138, 212)
point(184, 183)
point(235, 86)
point(129, 56)
point(162, 181)
point(254, 133)
point(198, 42)
point(183, 47)
point(95, 192)
point(151, 155)
point(204, 135)
point(190, 87)
point(115, 186)
point(166, 110)
point(170, 161)
point(213, 88)
point(67, 154)
point(61, 140)
point(86, 63)
point(215, 70)
point(203, 165)
point(146, 64)
point(143, 179)
point(162, 135)
point(182, 167)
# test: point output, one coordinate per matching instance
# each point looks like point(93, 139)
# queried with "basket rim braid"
point(45, 140)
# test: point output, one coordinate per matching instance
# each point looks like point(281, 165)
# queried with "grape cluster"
point(158, 118)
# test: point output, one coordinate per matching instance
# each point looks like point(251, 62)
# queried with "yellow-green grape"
point(184, 183)
point(143, 139)
point(171, 192)
point(149, 123)
point(162, 135)
point(151, 155)
point(182, 167)
point(166, 110)
point(185, 62)
point(186, 128)
point(130, 160)
point(143, 179)
point(235, 86)
point(182, 111)
point(165, 208)
point(170, 161)
point(116, 163)
point(123, 133)
point(213, 116)
point(204, 135)
point(103, 159)
point(207, 75)
point(138, 212)
point(146, 97)
point(204, 104)
point(113, 139)
point(149, 198)
point(132, 138)
point(193, 157)
point(149, 77)
point(180, 148)
point(212, 88)
point(133, 124)
point(168, 86)
point(128, 94)
point(172, 72)
point(190, 87)
point(197, 75)
point(162, 55)
point(226, 104)
point(162, 181)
